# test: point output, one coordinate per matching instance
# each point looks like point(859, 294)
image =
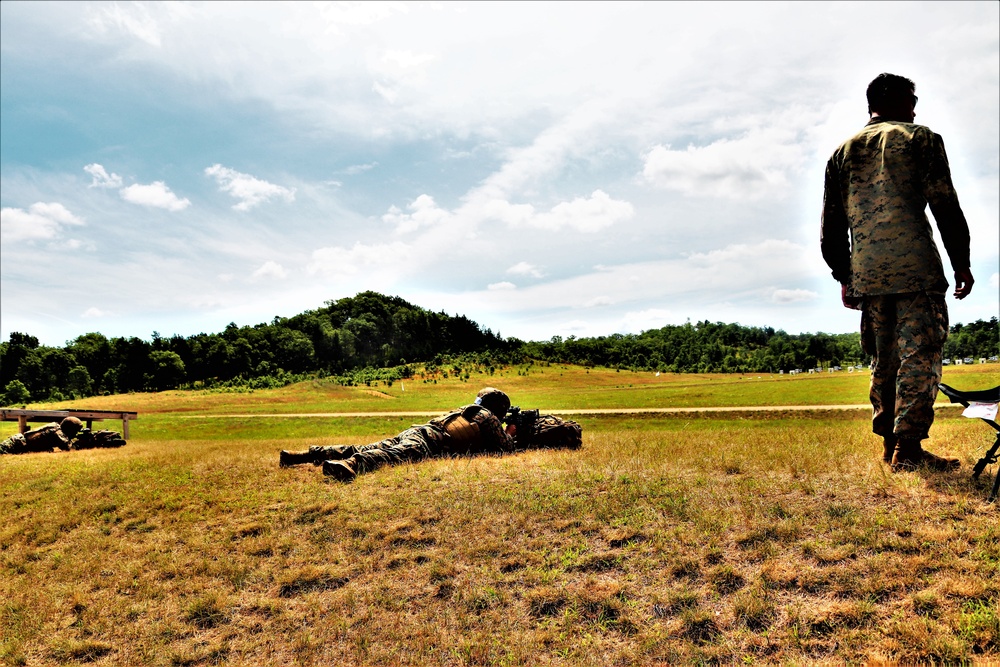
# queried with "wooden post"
point(22, 423)
point(125, 427)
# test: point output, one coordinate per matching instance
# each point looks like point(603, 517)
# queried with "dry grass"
point(667, 540)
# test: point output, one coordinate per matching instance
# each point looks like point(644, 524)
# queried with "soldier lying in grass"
point(472, 429)
point(67, 434)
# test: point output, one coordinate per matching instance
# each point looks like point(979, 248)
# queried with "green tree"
point(166, 370)
point(15, 393)
point(80, 384)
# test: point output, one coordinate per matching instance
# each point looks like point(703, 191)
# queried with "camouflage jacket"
point(473, 428)
point(875, 234)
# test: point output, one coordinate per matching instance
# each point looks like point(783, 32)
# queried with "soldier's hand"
point(511, 430)
point(849, 300)
point(963, 283)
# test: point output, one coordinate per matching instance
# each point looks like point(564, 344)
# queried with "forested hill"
point(371, 330)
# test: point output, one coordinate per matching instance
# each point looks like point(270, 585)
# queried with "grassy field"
point(716, 538)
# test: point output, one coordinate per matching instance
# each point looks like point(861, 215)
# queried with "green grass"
point(667, 539)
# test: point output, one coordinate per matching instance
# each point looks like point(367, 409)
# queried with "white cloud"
point(226, 277)
point(344, 261)
point(590, 215)
point(156, 195)
point(133, 19)
point(585, 215)
point(644, 320)
point(598, 301)
point(93, 313)
point(338, 14)
point(504, 285)
point(994, 281)
point(526, 269)
point(101, 178)
point(41, 221)
point(756, 165)
point(765, 253)
point(249, 190)
point(270, 269)
point(793, 295)
point(356, 169)
point(425, 213)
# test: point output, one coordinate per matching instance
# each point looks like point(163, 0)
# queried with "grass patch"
point(666, 539)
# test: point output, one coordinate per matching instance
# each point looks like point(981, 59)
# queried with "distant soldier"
point(44, 438)
point(472, 429)
point(878, 241)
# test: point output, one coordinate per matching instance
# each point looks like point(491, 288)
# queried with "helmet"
point(494, 400)
point(70, 426)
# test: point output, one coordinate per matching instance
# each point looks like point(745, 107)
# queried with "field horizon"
point(743, 536)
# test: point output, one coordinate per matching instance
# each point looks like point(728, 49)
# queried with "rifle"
point(523, 420)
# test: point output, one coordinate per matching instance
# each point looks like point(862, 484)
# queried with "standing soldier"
point(878, 241)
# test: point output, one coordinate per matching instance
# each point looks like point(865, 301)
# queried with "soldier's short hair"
point(887, 89)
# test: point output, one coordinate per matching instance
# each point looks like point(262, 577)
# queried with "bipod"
point(982, 396)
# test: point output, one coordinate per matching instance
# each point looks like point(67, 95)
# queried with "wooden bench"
point(22, 417)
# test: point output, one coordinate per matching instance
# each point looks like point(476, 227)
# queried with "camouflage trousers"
point(15, 444)
point(904, 334)
point(414, 444)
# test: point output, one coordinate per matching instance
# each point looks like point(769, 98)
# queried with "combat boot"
point(888, 448)
point(287, 458)
point(339, 470)
point(909, 455)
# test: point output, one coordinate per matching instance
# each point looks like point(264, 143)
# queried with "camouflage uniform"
point(41, 439)
point(469, 430)
point(548, 432)
point(878, 241)
point(87, 439)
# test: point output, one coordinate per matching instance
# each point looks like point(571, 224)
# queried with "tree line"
point(350, 338)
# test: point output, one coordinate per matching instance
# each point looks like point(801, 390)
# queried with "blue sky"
point(546, 169)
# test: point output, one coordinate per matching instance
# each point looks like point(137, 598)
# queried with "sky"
point(546, 169)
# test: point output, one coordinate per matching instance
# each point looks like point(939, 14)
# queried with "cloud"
point(397, 69)
point(425, 213)
point(249, 190)
point(756, 165)
point(585, 215)
point(101, 178)
point(270, 269)
point(526, 269)
point(93, 313)
point(134, 20)
point(356, 169)
point(994, 281)
point(644, 320)
point(504, 285)
point(40, 221)
point(155, 195)
point(598, 301)
point(344, 261)
point(793, 295)
point(589, 215)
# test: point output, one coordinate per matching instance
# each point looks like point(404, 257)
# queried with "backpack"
point(549, 432)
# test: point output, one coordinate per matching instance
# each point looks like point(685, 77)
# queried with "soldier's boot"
point(909, 455)
point(287, 458)
point(888, 448)
point(342, 471)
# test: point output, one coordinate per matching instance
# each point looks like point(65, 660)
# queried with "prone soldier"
point(469, 430)
point(65, 435)
point(57, 435)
